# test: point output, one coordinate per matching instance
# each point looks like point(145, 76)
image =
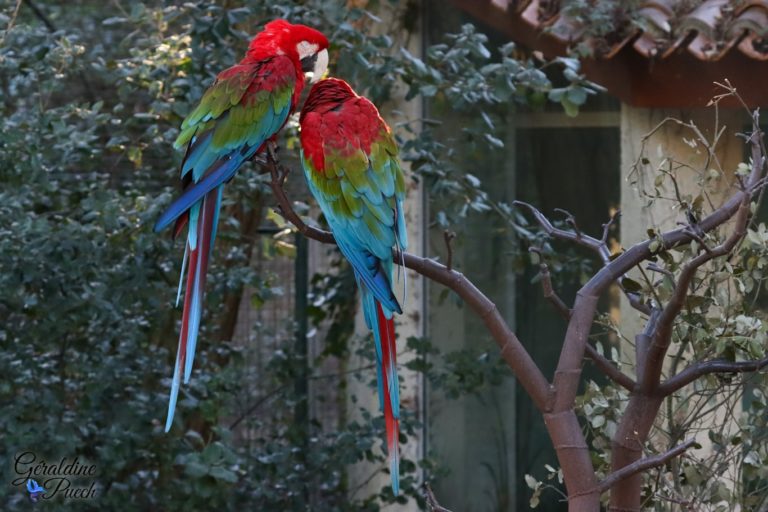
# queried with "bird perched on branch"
point(238, 115)
point(350, 161)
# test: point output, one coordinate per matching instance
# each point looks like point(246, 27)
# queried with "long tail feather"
point(182, 350)
point(383, 327)
point(181, 276)
point(200, 239)
point(216, 176)
point(207, 232)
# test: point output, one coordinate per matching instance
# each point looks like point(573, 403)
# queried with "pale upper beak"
point(315, 65)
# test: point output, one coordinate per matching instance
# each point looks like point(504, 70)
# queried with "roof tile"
point(707, 29)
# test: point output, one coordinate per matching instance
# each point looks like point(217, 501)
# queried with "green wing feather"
point(246, 105)
point(361, 192)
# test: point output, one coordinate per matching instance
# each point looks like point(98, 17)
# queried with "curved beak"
point(315, 66)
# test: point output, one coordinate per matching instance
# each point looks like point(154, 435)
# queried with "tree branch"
point(448, 237)
point(649, 379)
point(641, 465)
point(600, 247)
point(549, 292)
point(609, 369)
point(601, 362)
point(695, 371)
point(432, 503)
point(512, 350)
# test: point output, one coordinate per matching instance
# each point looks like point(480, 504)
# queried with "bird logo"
point(35, 490)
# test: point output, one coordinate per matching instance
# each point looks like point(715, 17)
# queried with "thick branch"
point(643, 464)
point(601, 362)
point(512, 350)
point(695, 371)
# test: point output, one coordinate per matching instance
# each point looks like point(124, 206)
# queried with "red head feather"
point(334, 116)
point(282, 38)
point(326, 95)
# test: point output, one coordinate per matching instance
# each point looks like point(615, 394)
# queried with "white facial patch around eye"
point(305, 49)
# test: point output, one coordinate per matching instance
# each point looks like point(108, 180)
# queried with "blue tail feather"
point(219, 174)
point(174, 392)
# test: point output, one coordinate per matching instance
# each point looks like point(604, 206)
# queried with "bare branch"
point(607, 226)
point(606, 366)
point(448, 237)
point(432, 503)
point(695, 371)
point(643, 464)
point(279, 174)
point(570, 220)
point(574, 236)
point(598, 246)
point(549, 292)
point(601, 362)
point(512, 350)
point(655, 268)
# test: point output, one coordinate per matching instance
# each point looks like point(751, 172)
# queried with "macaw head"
point(326, 95)
point(307, 47)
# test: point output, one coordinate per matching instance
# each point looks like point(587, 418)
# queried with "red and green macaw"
point(238, 115)
point(350, 161)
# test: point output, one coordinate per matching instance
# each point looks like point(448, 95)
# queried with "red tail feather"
point(181, 222)
point(389, 365)
point(209, 212)
point(187, 303)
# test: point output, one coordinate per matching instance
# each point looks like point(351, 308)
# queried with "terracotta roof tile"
point(707, 29)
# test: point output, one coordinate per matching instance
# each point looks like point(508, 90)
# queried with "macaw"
point(238, 115)
point(350, 161)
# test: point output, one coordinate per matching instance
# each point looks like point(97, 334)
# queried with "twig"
point(549, 292)
point(448, 237)
point(12, 21)
point(40, 15)
point(655, 268)
point(643, 464)
point(570, 220)
point(432, 503)
point(512, 350)
point(573, 236)
point(607, 225)
point(695, 371)
point(598, 246)
point(692, 233)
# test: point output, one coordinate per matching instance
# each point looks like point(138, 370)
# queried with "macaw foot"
point(272, 151)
